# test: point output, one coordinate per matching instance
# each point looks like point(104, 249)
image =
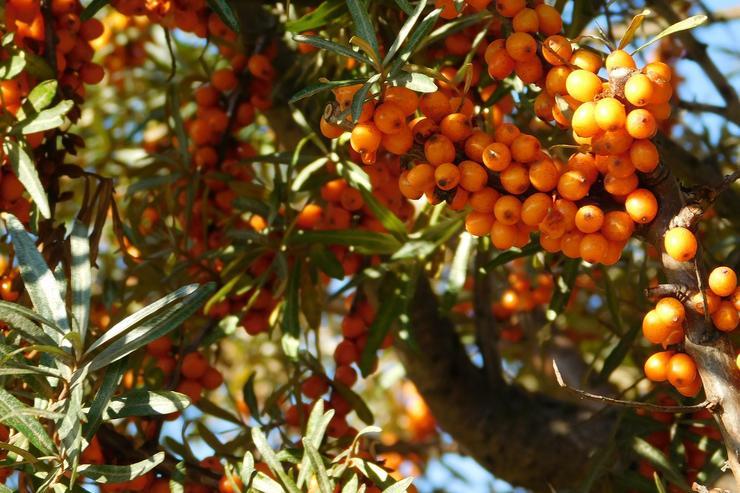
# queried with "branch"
point(632, 404)
point(700, 200)
point(706, 108)
point(486, 332)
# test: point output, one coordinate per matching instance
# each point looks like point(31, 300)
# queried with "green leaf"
point(351, 485)
point(92, 8)
point(25, 170)
point(405, 6)
point(563, 289)
point(318, 421)
point(415, 81)
point(317, 464)
point(388, 312)
point(419, 34)
point(325, 260)
point(612, 302)
point(323, 14)
point(458, 269)
point(291, 324)
point(136, 331)
point(513, 253)
point(81, 277)
point(108, 387)
point(268, 455)
point(226, 13)
point(684, 25)
point(14, 414)
point(363, 26)
point(12, 66)
point(41, 96)
point(358, 100)
point(247, 468)
point(38, 279)
point(354, 400)
point(619, 352)
point(364, 242)
point(404, 31)
point(46, 119)
point(399, 487)
point(18, 318)
point(634, 24)
point(660, 462)
point(119, 474)
point(659, 486)
point(142, 402)
point(70, 427)
point(321, 87)
point(325, 44)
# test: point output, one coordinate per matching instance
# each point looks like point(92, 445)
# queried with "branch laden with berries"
point(339, 242)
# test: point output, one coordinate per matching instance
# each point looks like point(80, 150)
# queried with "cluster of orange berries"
point(521, 296)
point(9, 280)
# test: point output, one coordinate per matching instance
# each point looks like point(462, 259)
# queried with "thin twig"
point(633, 404)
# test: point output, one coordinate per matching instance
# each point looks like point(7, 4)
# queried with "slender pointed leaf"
point(317, 464)
point(119, 474)
point(404, 31)
point(81, 278)
point(25, 170)
point(142, 402)
point(268, 455)
point(13, 414)
point(363, 25)
point(108, 387)
point(224, 10)
point(325, 44)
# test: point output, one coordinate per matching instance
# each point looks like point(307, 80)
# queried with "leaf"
point(12, 66)
point(612, 302)
point(513, 253)
point(354, 400)
point(291, 309)
point(317, 464)
point(419, 34)
point(25, 170)
point(321, 87)
point(38, 279)
point(659, 483)
point(618, 353)
point(318, 421)
point(92, 8)
point(635, 23)
point(70, 428)
point(42, 95)
point(564, 288)
point(247, 468)
point(364, 242)
point(142, 402)
point(268, 456)
point(405, 6)
point(363, 26)
point(226, 13)
point(325, 44)
point(324, 13)
point(108, 387)
point(81, 277)
point(404, 31)
point(351, 485)
point(137, 333)
point(16, 317)
point(250, 398)
point(358, 100)
point(325, 260)
point(46, 119)
point(660, 462)
point(388, 312)
point(399, 487)
point(684, 25)
point(119, 474)
point(414, 81)
point(13, 414)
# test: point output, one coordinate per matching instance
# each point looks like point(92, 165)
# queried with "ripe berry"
point(641, 205)
point(641, 124)
point(521, 46)
point(726, 317)
point(644, 155)
point(638, 89)
point(389, 118)
point(682, 370)
point(584, 120)
point(479, 223)
point(680, 244)
point(365, 138)
point(619, 59)
point(670, 311)
point(497, 156)
point(447, 176)
point(723, 281)
point(656, 366)
point(592, 247)
point(583, 85)
point(589, 218)
point(609, 114)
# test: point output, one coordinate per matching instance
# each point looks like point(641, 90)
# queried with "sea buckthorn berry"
point(609, 114)
point(549, 244)
point(661, 111)
point(613, 252)
point(314, 386)
point(456, 127)
point(556, 50)
point(573, 185)
point(365, 138)
point(619, 165)
point(697, 301)
point(658, 71)
point(351, 199)
point(556, 81)
point(641, 205)
point(448, 9)
point(506, 133)
point(421, 176)
point(439, 149)
point(620, 186)
point(503, 236)
point(526, 21)
point(435, 105)
point(662, 92)
point(641, 124)
point(484, 201)
point(515, 179)
point(525, 148)
point(407, 189)
point(654, 329)
point(725, 318)
point(399, 143)
point(584, 120)
point(535, 208)
point(447, 176)
point(544, 175)
point(500, 64)
point(723, 281)
point(529, 71)
point(570, 244)
point(680, 244)
point(589, 219)
point(473, 176)
point(612, 142)
point(493, 47)
point(550, 21)
point(619, 59)
point(479, 223)
point(656, 366)
point(497, 156)
point(476, 144)
point(329, 130)
point(585, 163)
point(543, 105)
point(389, 118)
point(583, 85)
point(508, 209)
point(224, 79)
point(682, 370)
point(509, 8)
point(670, 311)
point(345, 375)
point(586, 59)
point(593, 246)
point(461, 104)
point(638, 89)
point(618, 226)
point(644, 155)
point(403, 97)
point(194, 365)
point(690, 390)
point(521, 47)
point(735, 299)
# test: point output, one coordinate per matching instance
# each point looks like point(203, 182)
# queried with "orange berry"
point(389, 118)
point(435, 105)
point(584, 120)
point(448, 9)
point(365, 138)
point(612, 142)
point(484, 201)
point(593, 246)
point(609, 114)
point(529, 71)
point(506, 133)
point(497, 156)
point(508, 210)
point(725, 318)
point(573, 185)
point(329, 130)
point(503, 236)
point(638, 89)
point(586, 59)
point(549, 18)
point(654, 329)
point(456, 127)
point(525, 148)
point(403, 97)
point(421, 176)
point(224, 79)
point(544, 175)
point(680, 244)
point(476, 144)
point(585, 163)
point(641, 205)
point(589, 219)
point(656, 366)
point(570, 244)
point(556, 50)
point(521, 47)
point(550, 244)
point(641, 124)
point(619, 59)
point(526, 21)
point(670, 311)
point(662, 92)
point(583, 85)
point(500, 64)
point(509, 8)
point(620, 186)
point(535, 208)
point(473, 176)
point(399, 143)
point(556, 80)
point(439, 149)
point(723, 281)
point(479, 223)
point(658, 71)
point(447, 176)
point(682, 370)
point(407, 189)
point(515, 179)
point(644, 155)
point(713, 301)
